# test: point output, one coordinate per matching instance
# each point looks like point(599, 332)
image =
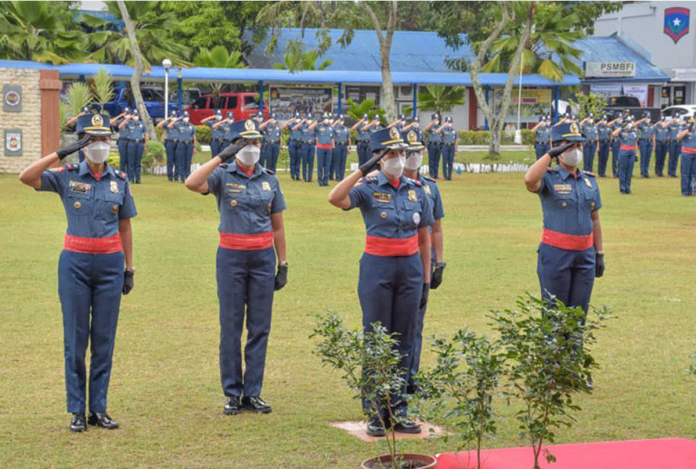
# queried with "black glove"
point(231, 150)
point(73, 147)
point(424, 296)
point(599, 265)
point(436, 278)
point(281, 278)
point(370, 164)
point(555, 151)
point(128, 282)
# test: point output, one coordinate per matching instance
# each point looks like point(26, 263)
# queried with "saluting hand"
point(128, 282)
point(231, 150)
point(370, 164)
point(73, 147)
point(281, 278)
point(555, 151)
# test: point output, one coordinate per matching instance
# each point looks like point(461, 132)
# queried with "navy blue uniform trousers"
point(323, 165)
point(588, 155)
point(418, 339)
point(434, 150)
point(645, 147)
point(339, 158)
point(170, 148)
point(90, 287)
point(688, 173)
point(566, 275)
point(308, 150)
point(660, 153)
point(603, 158)
point(674, 151)
point(135, 160)
point(390, 290)
point(447, 161)
point(627, 159)
point(123, 155)
point(363, 152)
point(183, 152)
point(272, 151)
point(540, 149)
point(245, 288)
point(295, 158)
point(215, 147)
point(615, 146)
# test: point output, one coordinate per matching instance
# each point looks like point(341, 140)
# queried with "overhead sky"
point(92, 5)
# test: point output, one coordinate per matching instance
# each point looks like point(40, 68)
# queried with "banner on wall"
point(638, 91)
point(535, 103)
point(284, 101)
point(606, 91)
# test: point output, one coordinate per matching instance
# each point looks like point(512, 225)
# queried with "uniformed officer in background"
point(95, 267)
point(434, 145)
point(324, 143)
point(252, 235)
point(450, 140)
point(308, 147)
point(217, 134)
point(340, 151)
point(224, 126)
point(541, 132)
point(294, 145)
point(589, 129)
point(363, 144)
point(570, 253)
point(646, 143)
point(661, 135)
point(123, 138)
point(272, 141)
point(137, 141)
point(170, 138)
point(395, 268)
point(687, 138)
point(628, 145)
point(615, 125)
point(185, 146)
point(603, 144)
point(414, 160)
point(674, 127)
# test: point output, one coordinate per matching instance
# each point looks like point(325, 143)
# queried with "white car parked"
point(685, 111)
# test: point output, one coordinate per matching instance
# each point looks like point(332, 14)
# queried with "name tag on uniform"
point(563, 189)
point(235, 188)
point(80, 187)
point(113, 187)
point(382, 196)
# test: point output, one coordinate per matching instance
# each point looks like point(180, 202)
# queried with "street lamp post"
point(166, 63)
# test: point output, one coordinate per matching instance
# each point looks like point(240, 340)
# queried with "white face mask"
point(97, 152)
point(414, 160)
point(394, 167)
point(186, 120)
point(249, 155)
point(136, 118)
point(218, 118)
point(572, 157)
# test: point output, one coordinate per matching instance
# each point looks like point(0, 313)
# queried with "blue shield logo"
point(676, 23)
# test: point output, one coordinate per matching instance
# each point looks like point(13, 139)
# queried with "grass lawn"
point(165, 388)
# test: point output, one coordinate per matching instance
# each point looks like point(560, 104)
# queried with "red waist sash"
point(324, 146)
point(391, 247)
point(246, 242)
point(566, 241)
point(628, 147)
point(109, 245)
point(690, 151)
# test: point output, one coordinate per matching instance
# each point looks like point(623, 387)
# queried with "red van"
point(242, 105)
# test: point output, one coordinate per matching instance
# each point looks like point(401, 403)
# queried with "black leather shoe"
point(232, 407)
point(102, 419)
point(407, 426)
point(78, 422)
point(375, 427)
point(256, 404)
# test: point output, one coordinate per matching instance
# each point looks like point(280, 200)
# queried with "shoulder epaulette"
point(552, 170)
point(120, 174)
point(223, 165)
point(268, 171)
point(370, 179)
point(415, 182)
point(71, 166)
point(587, 173)
point(429, 179)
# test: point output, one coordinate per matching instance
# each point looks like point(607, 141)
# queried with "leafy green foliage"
point(440, 98)
point(366, 106)
point(295, 58)
point(103, 87)
point(589, 103)
point(218, 57)
point(77, 96)
point(203, 134)
point(546, 349)
point(154, 153)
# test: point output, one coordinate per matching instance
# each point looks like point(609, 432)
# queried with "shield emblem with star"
point(97, 121)
point(394, 133)
point(676, 23)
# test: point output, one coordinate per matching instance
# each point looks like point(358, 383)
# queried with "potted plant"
point(369, 362)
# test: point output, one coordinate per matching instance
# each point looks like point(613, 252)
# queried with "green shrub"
point(154, 153)
point(114, 159)
point(160, 134)
point(203, 134)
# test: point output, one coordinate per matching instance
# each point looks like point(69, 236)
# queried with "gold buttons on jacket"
point(77, 204)
point(114, 209)
point(592, 205)
point(383, 214)
point(233, 203)
point(564, 204)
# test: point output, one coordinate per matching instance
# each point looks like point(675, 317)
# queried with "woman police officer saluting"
point(395, 268)
point(91, 276)
point(251, 224)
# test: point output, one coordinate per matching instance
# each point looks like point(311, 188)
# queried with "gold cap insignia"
point(412, 137)
point(249, 125)
point(97, 121)
point(412, 196)
point(574, 128)
point(394, 133)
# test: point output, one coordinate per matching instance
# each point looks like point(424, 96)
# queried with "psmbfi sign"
point(610, 69)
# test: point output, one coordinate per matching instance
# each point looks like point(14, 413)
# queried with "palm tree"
point(39, 31)
point(294, 59)
point(440, 98)
point(549, 51)
point(358, 110)
point(218, 57)
point(152, 28)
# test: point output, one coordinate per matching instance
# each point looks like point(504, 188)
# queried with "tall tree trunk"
point(385, 44)
point(137, 73)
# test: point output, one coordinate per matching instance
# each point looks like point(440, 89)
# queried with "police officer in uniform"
point(645, 143)
point(604, 142)
point(363, 144)
point(272, 141)
point(308, 148)
point(137, 141)
point(340, 151)
point(628, 140)
point(615, 125)
point(541, 132)
point(185, 146)
point(224, 127)
point(570, 253)
point(118, 122)
point(217, 134)
point(434, 145)
point(414, 160)
point(324, 144)
point(450, 139)
point(687, 138)
point(95, 267)
point(170, 138)
point(589, 129)
point(251, 207)
point(661, 136)
point(294, 145)
point(675, 127)
point(395, 268)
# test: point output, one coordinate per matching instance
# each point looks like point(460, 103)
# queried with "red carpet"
point(673, 453)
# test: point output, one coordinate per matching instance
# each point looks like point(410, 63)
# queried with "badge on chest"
point(412, 195)
point(80, 187)
point(563, 189)
point(383, 197)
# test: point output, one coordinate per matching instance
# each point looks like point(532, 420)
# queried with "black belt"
point(276, 142)
point(434, 143)
point(448, 144)
point(363, 142)
point(645, 139)
point(341, 144)
point(183, 141)
point(604, 141)
point(542, 143)
point(218, 140)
